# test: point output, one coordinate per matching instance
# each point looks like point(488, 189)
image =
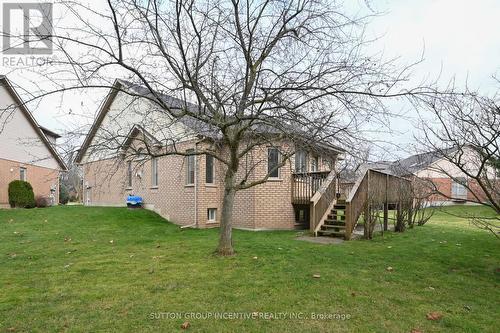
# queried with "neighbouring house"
point(188, 190)
point(445, 181)
point(27, 150)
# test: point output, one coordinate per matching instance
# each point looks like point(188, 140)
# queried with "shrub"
point(41, 201)
point(21, 194)
point(63, 194)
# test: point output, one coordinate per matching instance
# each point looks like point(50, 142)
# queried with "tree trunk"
point(225, 247)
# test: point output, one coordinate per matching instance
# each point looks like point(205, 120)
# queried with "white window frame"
point(207, 158)
point(23, 174)
point(212, 215)
point(458, 190)
point(190, 164)
point(299, 164)
point(278, 162)
point(154, 172)
point(315, 163)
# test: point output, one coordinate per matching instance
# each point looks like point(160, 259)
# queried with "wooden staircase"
point(335, 223)
point(335, 210)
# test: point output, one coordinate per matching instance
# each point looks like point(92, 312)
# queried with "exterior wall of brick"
point(444, 186)
point(41, 179)
point(265, 206)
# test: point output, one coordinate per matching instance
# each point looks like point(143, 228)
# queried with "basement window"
point(212, 215)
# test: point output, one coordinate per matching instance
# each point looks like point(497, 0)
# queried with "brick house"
point(27, 150)
point(447, 183)
point(188, 190)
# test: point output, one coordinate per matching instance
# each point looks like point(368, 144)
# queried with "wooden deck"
point(335, 207)
point(305, 184)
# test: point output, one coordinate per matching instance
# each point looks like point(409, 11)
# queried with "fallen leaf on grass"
point(157, 257)
point(434, 315)
point(11, 329)
point(185, 325)
point(416, 330)
point(389, 269)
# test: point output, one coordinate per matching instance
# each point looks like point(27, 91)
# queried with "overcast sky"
point(458, 37)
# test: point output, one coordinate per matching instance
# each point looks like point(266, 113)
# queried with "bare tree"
point(466, 134)
point(72, 178)
point(250, 73)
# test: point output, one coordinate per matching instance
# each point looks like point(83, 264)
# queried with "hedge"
point(21, 194)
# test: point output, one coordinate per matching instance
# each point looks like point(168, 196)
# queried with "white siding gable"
point(123, 113)
point(442, 168)
point(19, 141)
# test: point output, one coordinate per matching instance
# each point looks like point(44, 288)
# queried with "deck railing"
point(374, 187)
point(305, 184)
point(345, 188)
point(322, 201)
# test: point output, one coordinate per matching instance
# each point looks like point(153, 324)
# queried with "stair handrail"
point(322, 201)
point(355, 193)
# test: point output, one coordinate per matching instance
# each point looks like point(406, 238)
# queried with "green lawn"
point(80, 269)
